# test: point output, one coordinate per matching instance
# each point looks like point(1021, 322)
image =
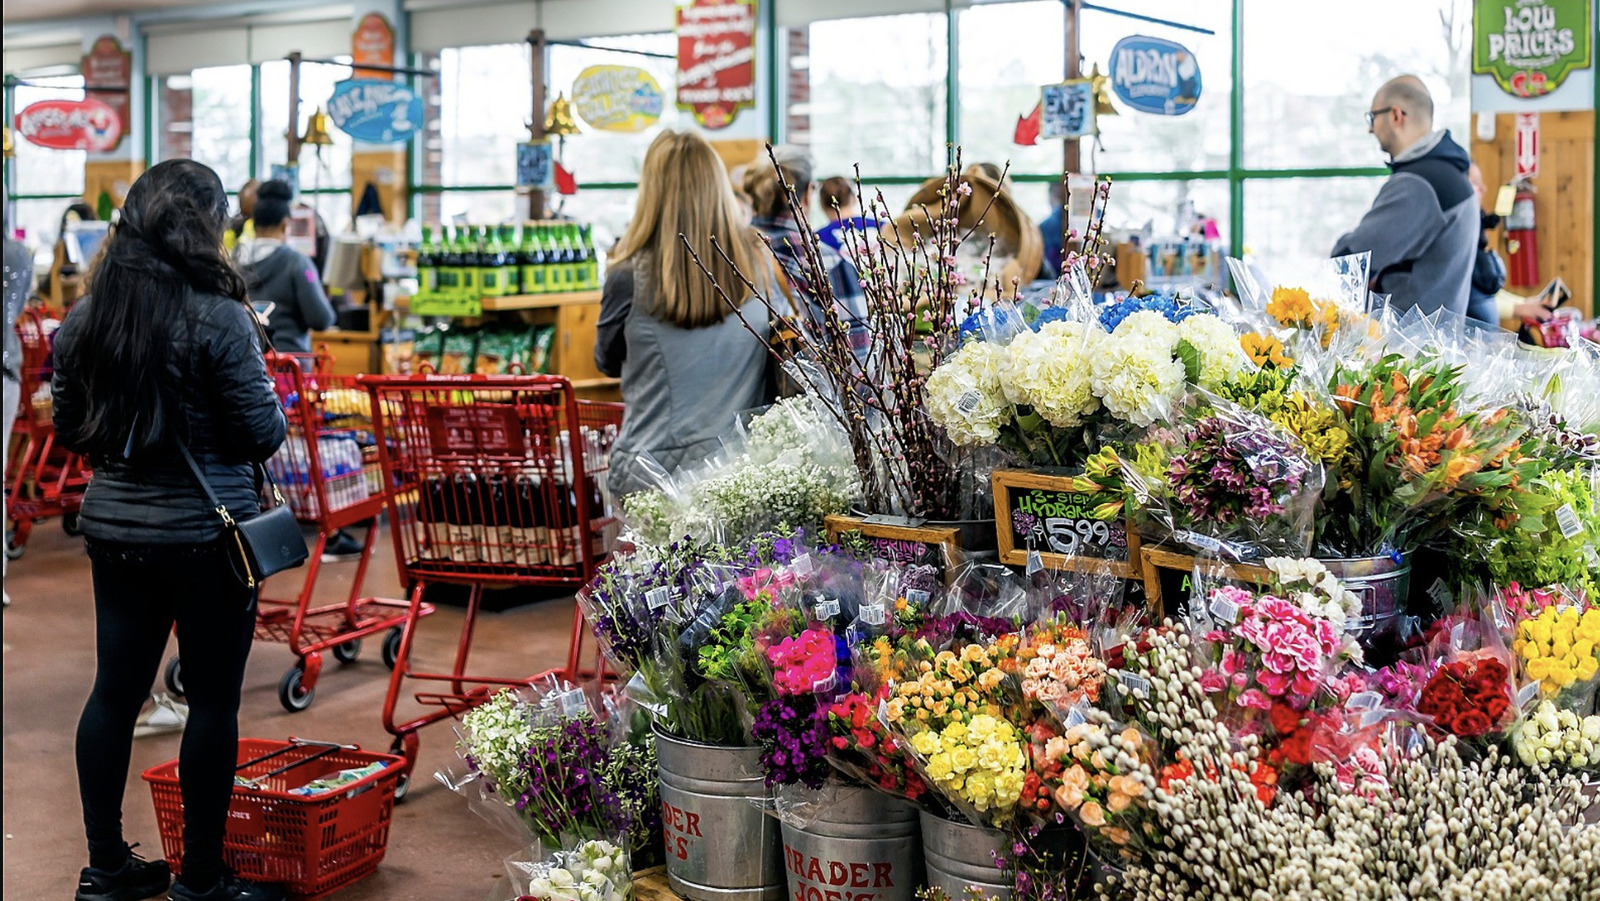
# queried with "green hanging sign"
point(1530, 46)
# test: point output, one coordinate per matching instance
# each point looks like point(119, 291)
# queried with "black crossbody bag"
point(267, 543)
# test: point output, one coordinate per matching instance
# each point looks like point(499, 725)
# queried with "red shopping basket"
point(310, 844)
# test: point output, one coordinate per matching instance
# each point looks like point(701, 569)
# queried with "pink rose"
point(1276, 684)
point(1212, 681)
point(1255, 699)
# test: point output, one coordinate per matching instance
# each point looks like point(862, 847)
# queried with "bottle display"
point(507, 260)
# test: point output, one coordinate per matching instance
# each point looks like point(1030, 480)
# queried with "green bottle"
point(490, 283)
point(591, 261)
point(527, 255)
point(510, 271)
point(560, 260)
point(447, 264)
point(427, 274)
point(467, 267)
point(546, 260)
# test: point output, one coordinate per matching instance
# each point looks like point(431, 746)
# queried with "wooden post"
point(294, 109)
point(1070, 157)
point(536, 41)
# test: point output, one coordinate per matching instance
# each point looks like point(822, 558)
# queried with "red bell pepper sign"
point(70, 125)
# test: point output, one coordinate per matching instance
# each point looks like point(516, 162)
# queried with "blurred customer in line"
point(1423, 227)
point(1490, 302)
point(688, 362)
point(282, 279)
point(1050, 232)
point(241, 228)
point(844, 213)
point(18, 284)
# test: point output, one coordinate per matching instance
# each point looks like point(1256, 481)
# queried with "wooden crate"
point(903, 541)
point(1033, 489)
point(1162, 562)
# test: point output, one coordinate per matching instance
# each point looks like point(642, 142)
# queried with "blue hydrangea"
point(1050, 314)
point(989, 323)
point(1112, 315)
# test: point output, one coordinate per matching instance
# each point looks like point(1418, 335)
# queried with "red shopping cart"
point(328, 473)
point(495, 481)
point(43, 480)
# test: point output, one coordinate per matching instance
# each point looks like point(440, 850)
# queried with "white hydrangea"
point(1051, 370)
point(965, 395)
point(1218, 345)
point(1136, 374)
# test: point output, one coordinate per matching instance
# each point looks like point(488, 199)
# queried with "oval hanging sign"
point(86, 124)
point(375, 111)
point(617, 98)
point(1154, 75)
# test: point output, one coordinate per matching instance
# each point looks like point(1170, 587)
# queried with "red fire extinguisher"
point(1522, 240)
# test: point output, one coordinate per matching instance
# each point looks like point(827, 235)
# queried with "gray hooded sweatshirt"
point(1422, 229)
point(282, 276)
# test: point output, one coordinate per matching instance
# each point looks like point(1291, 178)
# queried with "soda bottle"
point(467, 265)
point(447, 265)
point(427, 275)
point(510, 270)
point(591, 262)
point(491, 261)
point(530, 280)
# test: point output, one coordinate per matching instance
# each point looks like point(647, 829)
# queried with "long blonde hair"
point(685, 190)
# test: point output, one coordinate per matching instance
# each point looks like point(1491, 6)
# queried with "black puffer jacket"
point(229, 413)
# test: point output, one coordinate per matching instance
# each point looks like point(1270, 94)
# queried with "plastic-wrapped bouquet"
point(1081, 767)
point(595, 870)
point(1552, 736)
point(1559, 648)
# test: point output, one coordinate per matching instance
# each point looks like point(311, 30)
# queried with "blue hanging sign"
point(1154, 75)
point(375, 111)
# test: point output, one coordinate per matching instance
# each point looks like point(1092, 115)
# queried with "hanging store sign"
point(1154, 75)
point(375, 111)
point(535, 165)
point(716, 59)
point(1067, 109)
point(107, 74)
point(1530, 46)
point(86, 124)
point(617, 98)
point(372, 44)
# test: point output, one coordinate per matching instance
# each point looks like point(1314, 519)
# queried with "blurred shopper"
point(1490, 302)
point(241, 228)
point(281, 276)
point(18, 283)
point(159, 373)
point(688, 363)
point(838, 198)
point(1423, 227)
point(1050, 232)
point(775, 219)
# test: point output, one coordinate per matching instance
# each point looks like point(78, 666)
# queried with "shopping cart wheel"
point(391, 646)
point(71, 524)
point(403, 784)
point(294, 696)
point(174, 677)
point(347, 652)
point(14, 551)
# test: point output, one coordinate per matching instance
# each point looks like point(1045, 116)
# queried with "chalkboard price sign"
point(1072, 522)
point(902, 543)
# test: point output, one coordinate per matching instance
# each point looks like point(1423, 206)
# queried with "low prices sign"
point(717, 59)
point(110, 68)
point(375, 111)
point(87, 124)
point(617, 98)
point(1530, 46)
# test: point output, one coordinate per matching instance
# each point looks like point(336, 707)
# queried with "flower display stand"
point(1071, 522)
point(1168, 575)
point(906, 542)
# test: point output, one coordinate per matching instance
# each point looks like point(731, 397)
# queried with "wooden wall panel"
point(1564, 203)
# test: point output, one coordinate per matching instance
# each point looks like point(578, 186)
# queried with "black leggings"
point(139, 593)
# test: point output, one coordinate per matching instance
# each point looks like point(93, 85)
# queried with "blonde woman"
point(687, 362)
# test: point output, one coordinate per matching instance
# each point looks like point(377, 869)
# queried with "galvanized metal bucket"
point(960, 857)
point(863, 844)
point(720, 844)
point(1384, 586)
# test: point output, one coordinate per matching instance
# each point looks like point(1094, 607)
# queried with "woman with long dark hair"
point(162, 358)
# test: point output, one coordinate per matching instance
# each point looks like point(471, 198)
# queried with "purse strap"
point(211, 496)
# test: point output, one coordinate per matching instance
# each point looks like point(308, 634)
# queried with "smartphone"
point(263, 309)
point(1554, 295)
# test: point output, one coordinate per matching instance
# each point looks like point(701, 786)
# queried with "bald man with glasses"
point(1422, 229)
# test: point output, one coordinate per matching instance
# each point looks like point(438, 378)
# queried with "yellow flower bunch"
point(1315, 425)
point(953, 687)
point(980, 763)
point(1294, 307)
point(1559, 647)
point(1264, 350)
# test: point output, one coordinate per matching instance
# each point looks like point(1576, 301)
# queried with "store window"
point(873, 94)
point(484, 97)
point(1007, 51)
point(1291, 244)
point(321, 168)
point(1305, 98)
point(205, 116)
point(35, 170)
point(603, 156)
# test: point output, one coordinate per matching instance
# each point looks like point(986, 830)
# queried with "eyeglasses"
point(1372, 115)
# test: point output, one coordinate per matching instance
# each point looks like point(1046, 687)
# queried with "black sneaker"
point(136, 880)
point(229, 888)
point(343, 546)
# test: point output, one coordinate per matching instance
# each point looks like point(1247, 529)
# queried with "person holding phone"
point(283, 282)
point(164, 355)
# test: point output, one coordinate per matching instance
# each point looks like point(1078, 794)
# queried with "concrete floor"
point(438, 849)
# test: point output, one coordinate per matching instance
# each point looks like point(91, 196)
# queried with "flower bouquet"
point(1470, 696)
point(1559, 648)
point(1552, 736)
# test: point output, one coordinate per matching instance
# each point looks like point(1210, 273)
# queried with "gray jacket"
point(19, 281)
point(278, 274)
point(682, 387)
point(1422, 229)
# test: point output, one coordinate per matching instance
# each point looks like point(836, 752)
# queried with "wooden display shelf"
point(538, 301)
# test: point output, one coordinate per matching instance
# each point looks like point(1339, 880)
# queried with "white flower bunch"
point(965, 394)
point(1445, 829)
point(594, 871)
point(1221, 356)
point(1561, 737)
point(1050, 370)
point(496, 736)
point(1137, 374)
point(649, 514)
point(1312, 588)
point(751, 499)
